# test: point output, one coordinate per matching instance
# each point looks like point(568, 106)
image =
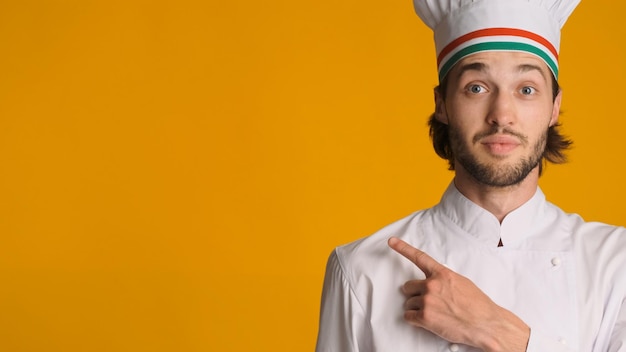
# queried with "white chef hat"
point(465, 27)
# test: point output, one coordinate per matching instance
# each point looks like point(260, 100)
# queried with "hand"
point(453, 307)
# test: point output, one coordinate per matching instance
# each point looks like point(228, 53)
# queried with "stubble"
point(497, 174)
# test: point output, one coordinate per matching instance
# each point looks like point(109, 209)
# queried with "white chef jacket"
point(564, 277)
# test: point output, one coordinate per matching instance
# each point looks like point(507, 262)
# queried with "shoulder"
point(600, 244)
point(372, 244)
point(582, 229)
point(370, 256)
point(601, 240)
point(589, 231)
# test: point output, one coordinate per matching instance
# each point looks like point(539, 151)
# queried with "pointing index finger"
point(423, 261)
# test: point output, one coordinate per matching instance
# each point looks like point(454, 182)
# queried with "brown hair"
point(556, 143)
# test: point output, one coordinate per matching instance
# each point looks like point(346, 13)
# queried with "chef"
point(493, 266)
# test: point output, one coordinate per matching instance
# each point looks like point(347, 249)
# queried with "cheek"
point(468, 112)
point(462, 134)
point(466, 126)
point(537, 120)
point(538, 112)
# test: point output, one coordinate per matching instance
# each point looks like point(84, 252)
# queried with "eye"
point(527, 90)
point(476, 89)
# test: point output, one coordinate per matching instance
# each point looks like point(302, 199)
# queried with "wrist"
point(509, 333)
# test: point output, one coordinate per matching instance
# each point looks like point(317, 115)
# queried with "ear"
point(556, 109)
point(440, 108)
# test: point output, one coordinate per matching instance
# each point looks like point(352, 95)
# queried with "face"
point(498, 106)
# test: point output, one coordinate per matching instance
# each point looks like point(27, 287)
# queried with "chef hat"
point(465, 27)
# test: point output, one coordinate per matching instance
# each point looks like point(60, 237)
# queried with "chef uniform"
point(564, 277)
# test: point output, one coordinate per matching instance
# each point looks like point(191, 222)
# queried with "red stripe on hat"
point(495, 32)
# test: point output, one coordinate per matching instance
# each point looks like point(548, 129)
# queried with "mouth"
point(500, 144)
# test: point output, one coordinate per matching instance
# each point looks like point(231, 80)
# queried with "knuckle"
point(433, 286)
point(446, 274)
point(428, 300)
point(427, 315)
point(417, 256)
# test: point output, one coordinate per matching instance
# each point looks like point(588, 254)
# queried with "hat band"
point(498, 46)
point(492, 39)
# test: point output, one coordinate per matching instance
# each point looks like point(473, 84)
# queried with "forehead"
point(501, 62)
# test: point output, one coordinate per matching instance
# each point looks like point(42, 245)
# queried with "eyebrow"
point(529, 67)
point(481, 67)
point(474, 66)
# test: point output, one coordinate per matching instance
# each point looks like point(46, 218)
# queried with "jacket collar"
point(484, 226)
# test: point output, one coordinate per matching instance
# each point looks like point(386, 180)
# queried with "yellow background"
point(174, 174)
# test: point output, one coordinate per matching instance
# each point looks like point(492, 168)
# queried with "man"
point(498, 268)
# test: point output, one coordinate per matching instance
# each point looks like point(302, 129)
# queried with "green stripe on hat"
point(491, 46)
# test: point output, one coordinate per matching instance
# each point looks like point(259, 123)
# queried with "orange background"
point(174, 174)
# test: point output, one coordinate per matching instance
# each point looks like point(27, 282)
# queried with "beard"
point(493, 174)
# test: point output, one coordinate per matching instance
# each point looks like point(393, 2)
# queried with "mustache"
point(500, 130)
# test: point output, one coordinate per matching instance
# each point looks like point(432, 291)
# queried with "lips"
point(500, 144)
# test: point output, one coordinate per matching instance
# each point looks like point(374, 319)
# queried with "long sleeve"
point(541, 343)
point(618, 337)
point(343, 325)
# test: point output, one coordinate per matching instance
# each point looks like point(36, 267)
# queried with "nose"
point(502, 110)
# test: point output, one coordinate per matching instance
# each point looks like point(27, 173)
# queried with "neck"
point(499, 201)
